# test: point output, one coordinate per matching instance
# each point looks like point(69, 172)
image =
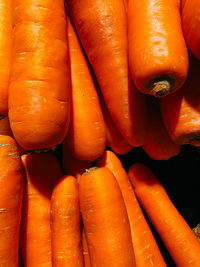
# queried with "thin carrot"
point(42, 170)
point(86, 255)
point(73, 166)
point(39, 92)
point(157, 51)
point(177, 236)
point(11, 189)
point(102, 29)
point(191, 25)
point(105, 219)
point(181, 110)
point(5, 52)
point(158, 145)
point(86, 137)
point(65, 224)
point(146, 249)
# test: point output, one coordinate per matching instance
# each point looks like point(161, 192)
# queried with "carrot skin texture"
point(5, 52)
point(86, 137)
point(181, 112)
point(39, 92)
point(43, 170)
point(102, 29)
point(157, 50)
point(109, 243)
point(65, 224)
point(158, 144)
point(191, 25)
point(86, 255)
point(177, 236)
point(145, 247)
point(11, 190)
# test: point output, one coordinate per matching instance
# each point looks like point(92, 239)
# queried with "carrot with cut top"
point(65, 224)
point(39, 92)
point(158, 144)
point(86, 136)
point(191, 25)
point(105, 219)
point(42, 172)
point(145, 247)
point(5, 52)
point(11, 190)
point(181, 111)
point(177, 236)
point(102, 29)
point(157, 51)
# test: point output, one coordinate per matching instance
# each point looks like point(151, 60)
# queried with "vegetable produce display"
point(99, 133)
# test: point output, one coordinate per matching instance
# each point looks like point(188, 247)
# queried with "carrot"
point(191, 25)
point(42, 170)
point(114, 138)
point(105, 219)
point(158, 144)
point(157, 51)
point(181, 111)
point(40, 82)
point(177, 236)
point(146, 250)
point(71, 165)
point(102, 28)
point(11, 189)
point(86, 136)
point(5, 52)
point(86, 255)
point(65, 224)
point(5, 130)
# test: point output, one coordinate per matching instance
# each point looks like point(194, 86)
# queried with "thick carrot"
point(40, 81)
point(102, 28)
point(71, 165)
point(191, 25)
point(177, 236)
point(11, 189)
point(158, 145)
point(86, 255)
point(146, 250)
point(105, 219)
point(114, 139)
point(65, 224)
point(157, 51)
point(42, 170)
point(5, 52)
point(86, 137)
point(181, 110)
point(5, 130)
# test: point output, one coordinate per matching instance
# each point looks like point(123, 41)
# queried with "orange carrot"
point(65, 224)
point(177, 236)
point(191, 25)
point(181, 111)
point(11, 189)
point(102, 28)
point(157, 51)
point(42, 170)
point(105, 219)
point(146, 250)
point(5, 52)
point(40, 82)
point(86, 136)
point(158, 144)
point(71, 165)
point(86, 255)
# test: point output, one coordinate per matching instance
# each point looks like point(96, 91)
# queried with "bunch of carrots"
point(87, 75)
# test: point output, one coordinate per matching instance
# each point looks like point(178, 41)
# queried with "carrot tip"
point(161, 88)
point(196, 230)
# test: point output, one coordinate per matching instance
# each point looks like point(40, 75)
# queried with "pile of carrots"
point(96, 79)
